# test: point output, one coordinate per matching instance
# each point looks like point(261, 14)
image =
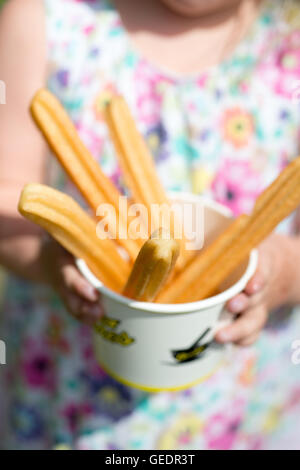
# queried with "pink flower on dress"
point(74, 413)
point(293, 400)
point(38, 366)
point(282, 70)
point(236, 185)
point(222, 429)
point(89, 29)
point(149, 97)
point(201, 82)
point(221, 432)
point(90, 138)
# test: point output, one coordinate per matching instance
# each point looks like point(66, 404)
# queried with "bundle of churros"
point(160, 269)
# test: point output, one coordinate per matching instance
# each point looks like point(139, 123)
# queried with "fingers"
point(251, 296)
point(249, 340)
point(259, 279)
point(256, 283)
point(245, 327)
point(242, 302)
point(74, 281)
point(80, 298)
point(238, 304)
point(81, 309)
point(64, 272)
point(251, 305)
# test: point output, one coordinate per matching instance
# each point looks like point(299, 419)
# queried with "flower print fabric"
point(238, 127)
point(228, 188)
point(225, 133)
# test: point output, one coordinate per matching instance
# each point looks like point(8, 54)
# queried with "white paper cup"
point(157, 347)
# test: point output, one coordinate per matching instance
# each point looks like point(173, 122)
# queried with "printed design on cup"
point(106, 327)
point(195, 351)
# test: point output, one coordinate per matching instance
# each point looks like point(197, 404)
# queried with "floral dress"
point(225, 133)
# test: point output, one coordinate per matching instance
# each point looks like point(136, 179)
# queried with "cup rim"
point(153, 307)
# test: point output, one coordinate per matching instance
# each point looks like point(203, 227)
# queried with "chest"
point(226, 133)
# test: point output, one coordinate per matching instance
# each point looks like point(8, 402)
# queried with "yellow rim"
point(145, 388)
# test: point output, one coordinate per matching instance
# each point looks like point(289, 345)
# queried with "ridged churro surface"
point(75, 230)
point(139, 170)
point(207, 271)
point(153, 267)
point(63, 139)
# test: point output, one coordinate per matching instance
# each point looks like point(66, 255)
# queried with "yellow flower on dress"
point(238, 127)
point(103, 99)
point(247, 375)
point(109, 394)
point(292, 14)
point(201, 180)
point(153, 142)
point(272, 420)
point(181, 434)
point(62, 447)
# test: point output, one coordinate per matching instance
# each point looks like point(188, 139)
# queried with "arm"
point(22, 151)
point(22, 160)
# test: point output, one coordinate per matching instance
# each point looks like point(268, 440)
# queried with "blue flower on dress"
point(284, 114)
point(94, 52)
point(63, 77)
point(156, 139)
point(108, 397)
point(205, 134)
point(26, 422)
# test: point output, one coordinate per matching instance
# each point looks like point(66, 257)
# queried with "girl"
point(214, 87)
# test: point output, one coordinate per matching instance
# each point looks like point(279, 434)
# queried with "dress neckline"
point(171, 76)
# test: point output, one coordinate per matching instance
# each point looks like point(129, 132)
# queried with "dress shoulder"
point(73, 30)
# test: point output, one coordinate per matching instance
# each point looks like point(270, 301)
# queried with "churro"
point(153, 267)
point(208, 270)
point(63, 139)
point(139, 171)
point(76, 231)
point(202, 262)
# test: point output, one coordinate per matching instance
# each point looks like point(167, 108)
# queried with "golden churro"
point(208, 270)
point(202, 262)
point(274, 187)
point(76, 231)
point(153, 267)
point(82, 168)
point(139, 171)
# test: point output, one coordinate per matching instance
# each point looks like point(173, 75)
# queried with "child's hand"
point(269, 288)
point(80, 298)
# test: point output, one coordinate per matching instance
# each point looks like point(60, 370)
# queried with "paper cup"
point(157, 347)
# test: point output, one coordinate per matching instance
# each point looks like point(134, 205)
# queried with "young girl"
point(215, 88)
